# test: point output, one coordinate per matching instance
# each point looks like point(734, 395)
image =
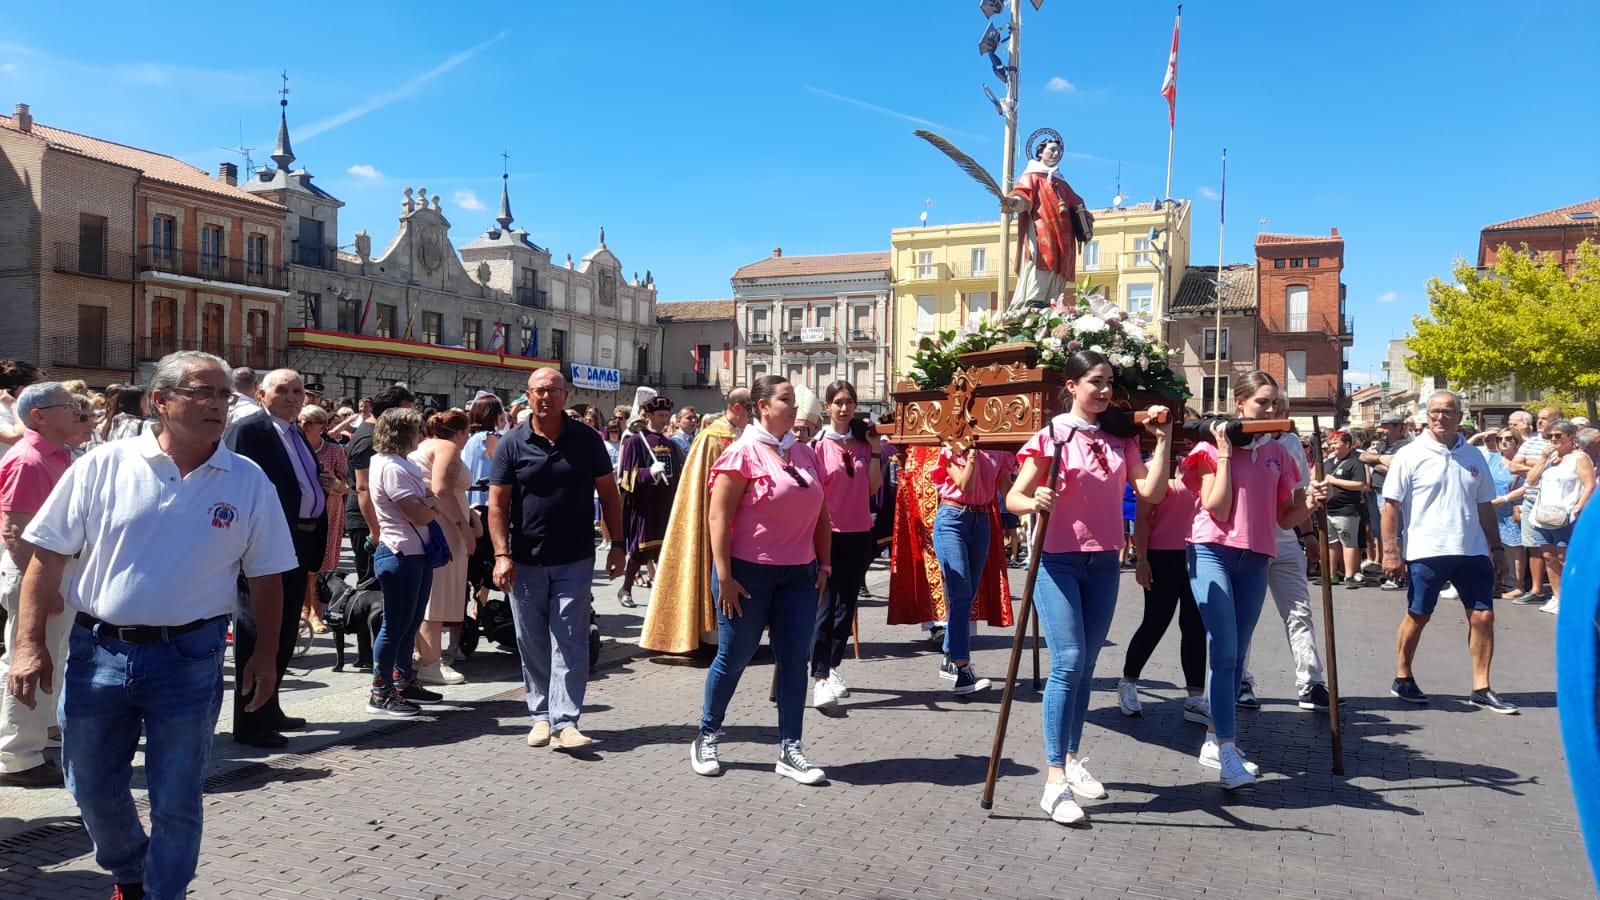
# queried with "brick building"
point(1304, 335)
point(113, 256)
point(1557, 232)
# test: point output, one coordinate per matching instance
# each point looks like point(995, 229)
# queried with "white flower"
point(1121, 360)
point(1085, 324)
point(1053, 344)
point(1132, 330)
point(1097, 348)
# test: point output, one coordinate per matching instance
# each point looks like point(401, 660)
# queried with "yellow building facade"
point(947, 276)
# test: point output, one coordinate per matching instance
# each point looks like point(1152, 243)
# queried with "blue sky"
point(703, 135)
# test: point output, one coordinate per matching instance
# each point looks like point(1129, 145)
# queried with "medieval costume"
point(647, 473)
point(916, 586)
point(1054, 222)
point(681, 611)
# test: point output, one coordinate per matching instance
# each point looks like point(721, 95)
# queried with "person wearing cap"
point(647, 473)
point(1391, 437)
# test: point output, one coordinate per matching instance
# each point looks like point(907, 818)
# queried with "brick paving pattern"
point(1446, 801)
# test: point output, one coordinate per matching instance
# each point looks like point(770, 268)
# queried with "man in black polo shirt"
point(358, 503)
point(541, 509)
point(1346, 478)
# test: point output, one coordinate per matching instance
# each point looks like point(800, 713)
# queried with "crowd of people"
point(761, 519)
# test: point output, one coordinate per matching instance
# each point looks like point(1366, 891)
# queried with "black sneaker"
point(936, 635)
point(1314, 697)
point(416, 693)
point(792, 763)
point(967, 682)
point(703, 753)
point(1247, 696)
point(1487, 699)
point(1406, 689)
point(391, 705)
point(947, 669)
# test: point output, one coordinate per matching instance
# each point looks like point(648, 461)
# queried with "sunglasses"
point(794, 473)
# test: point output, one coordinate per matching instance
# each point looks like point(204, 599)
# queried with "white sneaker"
point(1197, 710)
point(840, 689)
point(1082, 783)
point(1551, 606)
point(1128, 698)
point(1211, 756)
point(439, 672)
point(824, 696)
point(1058, 802)
point(1449, 593)
point(1235, 768)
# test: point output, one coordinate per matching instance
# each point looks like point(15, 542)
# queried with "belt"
point(966, 506)
point(142, 634)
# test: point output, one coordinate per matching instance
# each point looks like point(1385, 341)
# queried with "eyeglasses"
point(1443, 413)
point(794, 473)
point(202, 394)
point(58, 406)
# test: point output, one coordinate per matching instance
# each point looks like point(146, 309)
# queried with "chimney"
point(777, 252)
point(228, 173)
point(1336, 232)
point(23, 119)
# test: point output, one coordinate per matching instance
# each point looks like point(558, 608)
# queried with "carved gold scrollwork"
point(1008, 414)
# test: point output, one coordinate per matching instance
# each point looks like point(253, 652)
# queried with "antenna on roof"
point(1116, 202)
point(242, 150)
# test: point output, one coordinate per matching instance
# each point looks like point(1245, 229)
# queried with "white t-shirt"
point(1439, 489)
point(157, 549)
point(1529, 452)
point(391, 479)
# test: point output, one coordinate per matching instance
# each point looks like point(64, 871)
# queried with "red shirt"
point(29, 471)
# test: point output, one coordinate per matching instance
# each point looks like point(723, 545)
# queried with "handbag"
point(434, 546)
point(1549, 515)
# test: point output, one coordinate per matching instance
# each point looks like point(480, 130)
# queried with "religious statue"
point(1053, 223)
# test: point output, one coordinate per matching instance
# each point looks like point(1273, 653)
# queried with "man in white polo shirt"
point(162, 526)
point(1440, 492)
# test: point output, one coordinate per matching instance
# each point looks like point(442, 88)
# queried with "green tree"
point(1525, 317)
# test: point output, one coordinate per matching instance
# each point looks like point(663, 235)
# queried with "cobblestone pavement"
point(1439, 801)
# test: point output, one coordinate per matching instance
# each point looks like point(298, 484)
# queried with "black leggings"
point(1169, 590)
point(853, 553)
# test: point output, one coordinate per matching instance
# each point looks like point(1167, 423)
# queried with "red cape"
point(916, 586)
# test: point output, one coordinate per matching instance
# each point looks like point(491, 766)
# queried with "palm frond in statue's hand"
point(967, 163)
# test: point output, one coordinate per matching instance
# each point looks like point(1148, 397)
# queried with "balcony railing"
point(533, 297)
point(209, 267)
point(256, 356)
point(71, 350)
point(760, 337)
point(1310, 323)
point(926, 272)
point(695, 379)
point(862, 337)
point(314, 256)
point(634, 376)
point(77, 260)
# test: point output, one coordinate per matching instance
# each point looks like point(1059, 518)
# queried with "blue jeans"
point(961, 544)
point(1076, 600)
point(1229, 585)
point(172, 691)
point(550, 606)
point(406, 581)
point(783, 598)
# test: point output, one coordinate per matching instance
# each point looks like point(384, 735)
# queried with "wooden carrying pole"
point(1331, 657)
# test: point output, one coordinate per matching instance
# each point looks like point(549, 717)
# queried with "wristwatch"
point(619, 545)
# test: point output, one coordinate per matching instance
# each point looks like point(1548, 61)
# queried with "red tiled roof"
point(695, 311)
point(1560, 216)
point(830, 264)
point(1197, 292)
point(154, 166)
point(1266, 238)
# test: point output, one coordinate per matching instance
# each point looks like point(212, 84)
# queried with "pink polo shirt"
point(776, 516)
point(29, 470)
point(1094, 468)
point(1172, 518)
point(1262, 478)
point(991, 464)
point(848, 492)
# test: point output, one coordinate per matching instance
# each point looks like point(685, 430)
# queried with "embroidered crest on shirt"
point(223, 515)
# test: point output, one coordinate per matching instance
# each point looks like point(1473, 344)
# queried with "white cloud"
point(1208, 193)
point(365, 171)
point(1388, 297)
point(1060, 85)
point(8, 68)
point(469, 200)
point(885, 111)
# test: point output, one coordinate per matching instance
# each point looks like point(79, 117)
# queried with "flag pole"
point(1008, 168)
point(1216, 346)
point(1170, 91)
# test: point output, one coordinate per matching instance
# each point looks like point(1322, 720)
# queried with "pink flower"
point(1061, 331)
point(1074, 345)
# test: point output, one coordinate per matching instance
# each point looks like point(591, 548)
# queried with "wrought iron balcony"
point(533, 297)
point(257, 356)
point(314, 256)
point(760, 337)
point(76, 259)
point(72, 350)
point(862, 337)
point(209, 267)
point(695, 379)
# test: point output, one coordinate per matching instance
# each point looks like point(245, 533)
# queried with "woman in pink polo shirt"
point(851, 474)
point(1078, 591)
point(1246, 492)
point(966, 483)
point(771, 542)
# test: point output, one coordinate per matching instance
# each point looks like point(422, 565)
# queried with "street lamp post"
point(1008, 168)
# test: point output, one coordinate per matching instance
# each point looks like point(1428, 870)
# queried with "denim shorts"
point(1552, 537)
point(1473, 577)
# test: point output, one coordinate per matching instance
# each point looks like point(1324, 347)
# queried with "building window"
point(349, 315)
point(432, 327)
point(758, 325)
point(702, 362)
point(255, 254)
point(644, 363)
point(825, 321)
point(861, 378)
point(310, 310)
point(1279, 263)
point(163, 327)
point(350, 389)
point(797, 373)
point(91, 335)
point(1091, 256)
point(1294, 370)
point(91, 244)
point(558, 344)
point(1296, 263)
point(258, 339)
point(385, 326)
point(824, 375)
point(1141, 299)
point(925, 313)
point(308, 246)
point(1209, 350)
point(1297, 298)
point(980, 261)
point(162, 248)
point(1212, 388)
point(925, 267)
point(977, 308)
point(211, 246)
point(797, 321)
point(1141, 251)
point(861, 323)
point(1314, 262)
point(471, 333)
point(211, 329)
point(526, 347)
point(758, 371)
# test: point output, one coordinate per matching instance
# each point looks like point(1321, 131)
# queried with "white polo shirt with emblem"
point(155, 548)
point(1439, 489)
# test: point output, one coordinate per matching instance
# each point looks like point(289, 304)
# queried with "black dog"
point(351, 610)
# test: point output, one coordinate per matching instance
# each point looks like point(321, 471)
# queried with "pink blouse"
point(991, 463)
point(1172, 518)
point(1094, 468)
point(776, 517)
point(848, 492)
point(1262, 479)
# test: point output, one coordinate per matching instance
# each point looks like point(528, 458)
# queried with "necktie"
point(308, 465)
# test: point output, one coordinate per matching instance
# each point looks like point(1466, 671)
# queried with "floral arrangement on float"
point(1087, 322)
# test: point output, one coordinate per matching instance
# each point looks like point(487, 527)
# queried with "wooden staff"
point(1326, 555)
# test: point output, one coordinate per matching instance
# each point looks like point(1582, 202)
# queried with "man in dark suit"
point(275, 443)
